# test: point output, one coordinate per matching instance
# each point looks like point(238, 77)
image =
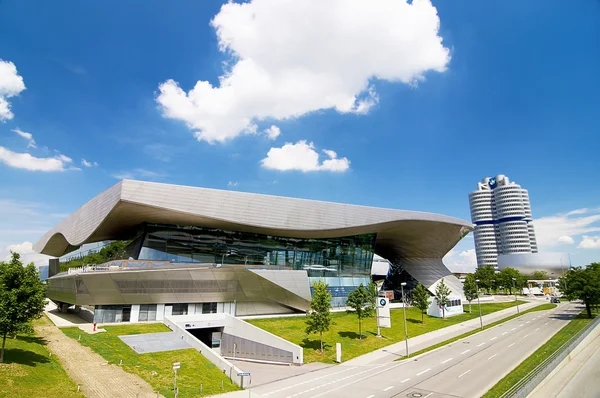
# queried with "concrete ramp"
point(155, 342)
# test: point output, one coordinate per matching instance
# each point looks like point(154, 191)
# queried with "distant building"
point(501, 212)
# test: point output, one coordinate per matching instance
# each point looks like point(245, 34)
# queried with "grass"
point(345, 331)
point(542, 353)
point(156, 367)
point(29, 370)
point(542, 307)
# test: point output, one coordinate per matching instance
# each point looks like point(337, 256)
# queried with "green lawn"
point(29, 371)
point(156, 368)
point(538, 356)
point(345, 331)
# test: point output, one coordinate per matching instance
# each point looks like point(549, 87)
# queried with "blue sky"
point(415, 115)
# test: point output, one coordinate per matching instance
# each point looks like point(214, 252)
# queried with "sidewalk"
point(392, 352)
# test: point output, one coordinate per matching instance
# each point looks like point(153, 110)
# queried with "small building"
point(455, 307)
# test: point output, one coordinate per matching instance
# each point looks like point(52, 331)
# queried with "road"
point(466, 368)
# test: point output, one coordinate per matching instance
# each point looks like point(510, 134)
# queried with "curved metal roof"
point(116, 212)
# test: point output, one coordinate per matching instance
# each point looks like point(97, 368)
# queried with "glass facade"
point(348, 257)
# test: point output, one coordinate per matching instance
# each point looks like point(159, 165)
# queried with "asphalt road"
point(466, 368)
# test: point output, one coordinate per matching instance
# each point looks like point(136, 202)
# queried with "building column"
point(135, 313)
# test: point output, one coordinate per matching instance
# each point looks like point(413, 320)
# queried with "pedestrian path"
point(96, 377)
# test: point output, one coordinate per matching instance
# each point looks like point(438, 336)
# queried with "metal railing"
point(530, 381)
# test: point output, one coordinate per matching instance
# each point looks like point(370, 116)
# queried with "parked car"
point(555, 300)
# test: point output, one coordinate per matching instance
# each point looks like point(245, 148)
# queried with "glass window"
point(349, 256)
point(209, 308)
point(147, 312)
point(179, 309)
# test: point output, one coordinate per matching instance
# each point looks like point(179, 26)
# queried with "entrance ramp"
point(155, 342)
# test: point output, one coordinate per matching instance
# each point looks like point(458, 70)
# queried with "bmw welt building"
point(195, 250)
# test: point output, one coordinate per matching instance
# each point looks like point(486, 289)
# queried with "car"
point(555, 300)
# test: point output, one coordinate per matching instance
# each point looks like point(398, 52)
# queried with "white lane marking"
point(527, 321)
point(479, 345)
point(526, 336)
point(370, 396)
point(511, 345)
point(447, 360)
point(464, 373)
point(504, 333)
point(537, 329)
point(493, 338)
point(464, 352)
point(512, 329)
point(334, 381)
point(423, 372)
point(492, 356)
point(545, 323)
point(521, 325)
point(404, 381)
point(428, 395)
point(388, 388)
point(308, 381)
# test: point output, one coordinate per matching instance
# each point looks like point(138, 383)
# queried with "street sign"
point(176, 365)
point(383, 313)
point(244, 374)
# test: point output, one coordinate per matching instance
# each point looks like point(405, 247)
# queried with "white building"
point(501, 212)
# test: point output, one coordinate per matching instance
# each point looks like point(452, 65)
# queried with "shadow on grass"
point(314, 345)
point(351, 335)
point(411, 320)
point(32, 340)
point(22, 357)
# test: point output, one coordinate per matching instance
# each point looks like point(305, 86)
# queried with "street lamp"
point(478, 303)
point(404, 308)
point(514, 287)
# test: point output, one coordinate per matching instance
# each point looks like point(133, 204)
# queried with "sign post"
point(176, 365)
point(242, 374)
point(383, 314)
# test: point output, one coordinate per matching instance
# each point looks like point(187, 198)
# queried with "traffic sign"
point(176, 365)
point(244, 374)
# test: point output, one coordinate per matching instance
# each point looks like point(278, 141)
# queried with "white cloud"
point(232, 184)
point(303, 156)
point(589, 242)
point(273, 132)
point(88, 164)
point(566, 240)
point(29, 162)
point(555, 230)
point(28, 255)
point(139, 173)
point(11, 84)
point(464, 261)
point(283, 66)
point(28, 136)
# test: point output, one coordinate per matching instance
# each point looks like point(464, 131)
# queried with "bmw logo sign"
point(382, 302)
point(493, 182)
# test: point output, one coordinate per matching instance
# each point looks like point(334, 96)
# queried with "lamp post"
point(404, 308)
point(515, 287)
point(478, 303)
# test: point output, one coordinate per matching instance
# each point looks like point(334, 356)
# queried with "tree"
point(506, 277)
point(318, 318)
point(420, 297)
point(470, 289)
point(582, 284)
point(22, 297)
point(486, 275)
point(362, 302)
point(539, 276)
point(442, 294)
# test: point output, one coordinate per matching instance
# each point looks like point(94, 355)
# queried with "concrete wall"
point(224, 365)
point(237, 328)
